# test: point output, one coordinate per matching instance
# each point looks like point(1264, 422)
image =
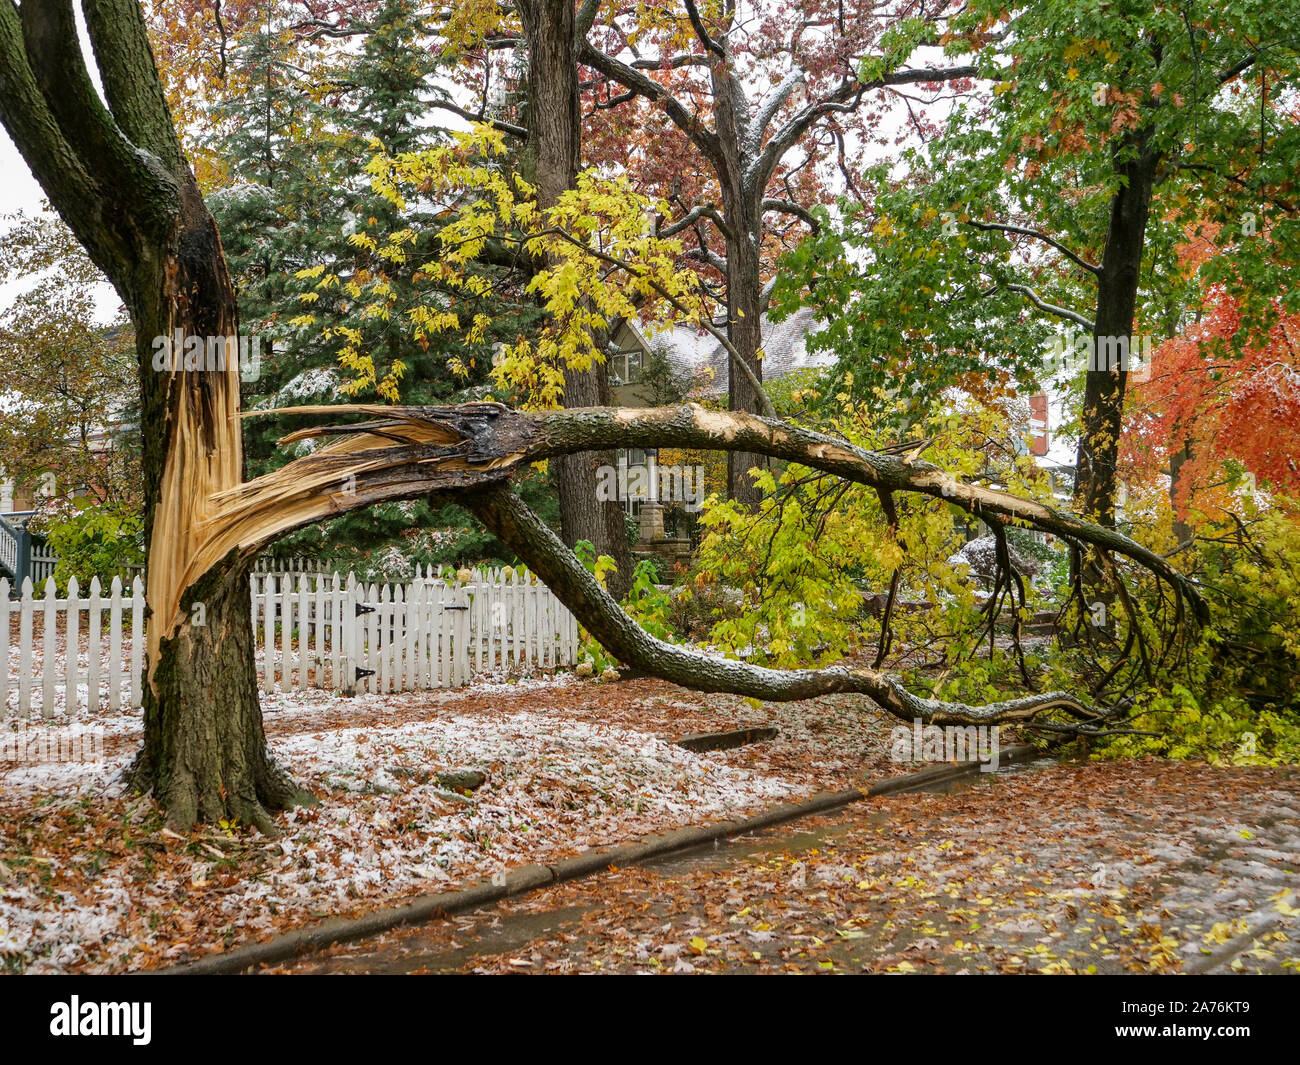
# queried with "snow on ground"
point(91, 881)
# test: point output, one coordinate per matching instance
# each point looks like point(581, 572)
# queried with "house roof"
point(698, 355)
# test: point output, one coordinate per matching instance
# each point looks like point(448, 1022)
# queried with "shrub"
point(96, 541)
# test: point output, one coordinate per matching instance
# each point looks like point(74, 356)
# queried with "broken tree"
point(119, 178)
point(117, 175)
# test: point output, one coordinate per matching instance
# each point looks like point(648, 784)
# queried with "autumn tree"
point(758, 99)
point(68, 404)
point(553, 156)
point(1213, 419)
point(1052, 202)
point(115, 171)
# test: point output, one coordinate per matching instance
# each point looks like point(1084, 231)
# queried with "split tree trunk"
point(105, 150)
point(204, 755)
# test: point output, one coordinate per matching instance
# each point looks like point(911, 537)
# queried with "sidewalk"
point(1106, 868)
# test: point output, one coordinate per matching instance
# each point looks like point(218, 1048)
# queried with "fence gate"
point(314, 631)
point(80, 650)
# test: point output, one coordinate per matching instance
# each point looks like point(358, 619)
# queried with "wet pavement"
point(1118, 867)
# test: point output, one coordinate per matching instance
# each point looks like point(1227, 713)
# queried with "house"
point(650, 367)
point(699, 362)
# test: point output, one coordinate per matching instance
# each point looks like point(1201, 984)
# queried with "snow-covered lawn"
point(90, 880)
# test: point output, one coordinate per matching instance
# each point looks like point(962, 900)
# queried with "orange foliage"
point(1245, 409)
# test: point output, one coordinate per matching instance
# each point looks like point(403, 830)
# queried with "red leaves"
point(1245, 409)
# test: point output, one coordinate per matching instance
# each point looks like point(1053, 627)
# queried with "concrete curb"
point(531, 877)
point(1243, 942)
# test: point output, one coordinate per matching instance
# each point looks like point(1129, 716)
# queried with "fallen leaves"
point(997, 878)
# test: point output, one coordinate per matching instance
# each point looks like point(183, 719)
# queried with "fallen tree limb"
point(407, 452)
point(533, 541)
point(468, 453)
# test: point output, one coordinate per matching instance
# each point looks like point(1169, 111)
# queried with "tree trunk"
point(1096, 485)
point(742, 208)
point(554, 156)
point(106, 152)
point(1183, 532)
point(204, 755)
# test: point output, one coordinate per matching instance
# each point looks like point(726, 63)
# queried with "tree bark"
point(1183, 532)
point(521, 530)
point(118, 177)
point(554, 152)
point(466, 449)
point(204, 754)
point(1096, 483)
point(742, 209)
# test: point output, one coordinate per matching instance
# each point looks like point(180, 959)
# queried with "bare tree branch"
point(697, 24)
point(470, 116)
point(791, 208)
point(704, 210)
point(1052, 308)
point(1075, 258)
point(704, 138)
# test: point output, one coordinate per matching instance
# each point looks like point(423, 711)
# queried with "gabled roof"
point(698, 356)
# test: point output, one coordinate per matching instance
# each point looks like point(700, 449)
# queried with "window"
point(625, 366)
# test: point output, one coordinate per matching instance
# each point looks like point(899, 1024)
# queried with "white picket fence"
point(311, 631)
point(65, 676)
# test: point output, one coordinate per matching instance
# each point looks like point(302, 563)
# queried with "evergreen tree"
point(297, 141)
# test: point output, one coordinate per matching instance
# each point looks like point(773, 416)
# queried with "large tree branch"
point(532, 540)
point(703, 137)
point(1050, 308)
point(705, 254)
point(405, 452)
point(844, 98)
point(137, 188)
point(791, 208)
point(469, 451)
point(704, 210)
point(697, 24)
point(60, 171)
point(125, 59)
point(769, 108)
point(505, 127)
point(676, 62)
point(583, 20)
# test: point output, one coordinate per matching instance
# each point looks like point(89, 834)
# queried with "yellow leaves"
point(1282, 903)
point(698, 945)
point(469, 24)
point(1223, 931)
point(602, 261)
